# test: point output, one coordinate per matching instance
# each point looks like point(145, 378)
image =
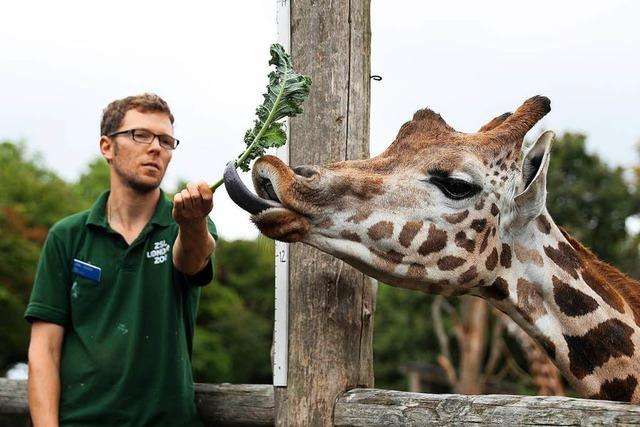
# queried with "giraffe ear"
point(531, 201)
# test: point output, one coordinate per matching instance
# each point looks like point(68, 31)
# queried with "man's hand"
point(194, 244)
point(192, 205)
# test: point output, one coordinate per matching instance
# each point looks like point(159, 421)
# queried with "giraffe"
point(452, 213)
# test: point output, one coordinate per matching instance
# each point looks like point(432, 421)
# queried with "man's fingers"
point(207, 195)
point(196, 198)
point(178, 204)
point(186, 198)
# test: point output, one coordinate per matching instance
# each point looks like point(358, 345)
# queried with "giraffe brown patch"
point(380, 230)
point(485, 240)
point(391, 256)
point(565, 257)
point(326, 223)
point(408, 232)
point(437, 288)
point(606, 292)
point(571, 301)
point(493, 182)
point(503, 167)
point(436, 241)
point(530, 301)
point(505, 256)
point(463, 242)
point(361, 214)
point(513, 166)
point(498, 290)
point(479, 204)
point(526, 255)
point(468, 275)
point(449, 263)
point(416, 271)
point(496, 173)
point(492, 260)
point(548, 346)
point(494, 209)
point(543, 224)
point(611, 338)
point(617, 389)
point(349, 235)
point(456, 217)
point(479, 224)
point(361, 187)
point(493, 229)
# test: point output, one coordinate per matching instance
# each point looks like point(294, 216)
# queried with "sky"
point(62, 62)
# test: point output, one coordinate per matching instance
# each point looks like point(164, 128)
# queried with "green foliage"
point(32, 198)
point(590, 198)
point(31, 190)
point(93, 181)
point(403, 333)
point(235, 318)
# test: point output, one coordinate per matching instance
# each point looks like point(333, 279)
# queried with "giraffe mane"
point(607, 277)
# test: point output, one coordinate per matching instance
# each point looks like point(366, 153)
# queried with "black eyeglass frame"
point(131, 132)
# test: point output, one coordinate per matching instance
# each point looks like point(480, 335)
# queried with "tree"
point(235, 318)
point(32, 198)
point(93, 181)
point(589, 198)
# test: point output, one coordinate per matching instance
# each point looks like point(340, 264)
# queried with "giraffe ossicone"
point(455, 213)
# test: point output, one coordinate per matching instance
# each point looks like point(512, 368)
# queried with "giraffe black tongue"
point(242, 196)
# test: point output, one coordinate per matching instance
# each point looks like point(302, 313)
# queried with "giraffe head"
point(436, 211)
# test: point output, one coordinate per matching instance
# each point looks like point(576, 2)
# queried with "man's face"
point(139, 166)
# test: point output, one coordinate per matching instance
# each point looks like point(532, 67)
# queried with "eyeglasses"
point(145, 136)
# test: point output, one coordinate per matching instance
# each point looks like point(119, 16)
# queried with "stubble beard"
point(131, 181)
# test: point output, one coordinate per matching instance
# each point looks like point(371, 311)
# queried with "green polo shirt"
point(126, 354)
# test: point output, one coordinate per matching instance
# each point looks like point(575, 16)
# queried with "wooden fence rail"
point(218, 404)
point(371, 407)
point(252, 405)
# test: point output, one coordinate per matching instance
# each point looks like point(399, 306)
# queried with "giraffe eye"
point(454, 188)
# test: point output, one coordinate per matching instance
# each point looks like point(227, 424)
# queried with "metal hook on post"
point(376, 77)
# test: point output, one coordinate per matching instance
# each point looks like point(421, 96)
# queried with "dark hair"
point(113, 115)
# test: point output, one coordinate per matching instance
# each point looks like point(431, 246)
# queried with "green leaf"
point(286, 92)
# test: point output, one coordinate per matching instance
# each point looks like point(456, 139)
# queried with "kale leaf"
point(286, 92)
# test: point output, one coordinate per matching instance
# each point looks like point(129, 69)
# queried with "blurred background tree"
point(32, 198)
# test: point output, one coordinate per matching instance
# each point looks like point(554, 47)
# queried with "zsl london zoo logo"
point(159, 252)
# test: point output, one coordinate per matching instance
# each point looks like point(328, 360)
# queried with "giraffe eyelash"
point(453, 188)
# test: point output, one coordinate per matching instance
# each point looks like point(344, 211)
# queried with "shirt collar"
point(161, 216)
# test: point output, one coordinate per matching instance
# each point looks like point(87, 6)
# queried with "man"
point(114, 300)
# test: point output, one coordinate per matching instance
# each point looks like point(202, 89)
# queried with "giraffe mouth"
point(270, 208)
point(244, 198)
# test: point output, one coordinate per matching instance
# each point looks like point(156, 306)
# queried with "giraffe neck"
point(583, 312)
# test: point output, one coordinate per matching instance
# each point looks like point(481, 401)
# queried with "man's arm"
point(194, 244)
point(44, 373)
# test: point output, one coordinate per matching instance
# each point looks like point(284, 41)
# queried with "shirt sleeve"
point(49, 299)
point(204, 276)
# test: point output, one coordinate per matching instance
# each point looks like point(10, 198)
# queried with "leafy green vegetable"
point(286, 92)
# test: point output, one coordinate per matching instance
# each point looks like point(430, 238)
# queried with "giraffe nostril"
point(306, 171)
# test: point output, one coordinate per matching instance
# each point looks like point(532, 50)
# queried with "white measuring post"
point(281, 318)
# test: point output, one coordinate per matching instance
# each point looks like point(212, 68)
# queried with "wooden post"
point(331, 305)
